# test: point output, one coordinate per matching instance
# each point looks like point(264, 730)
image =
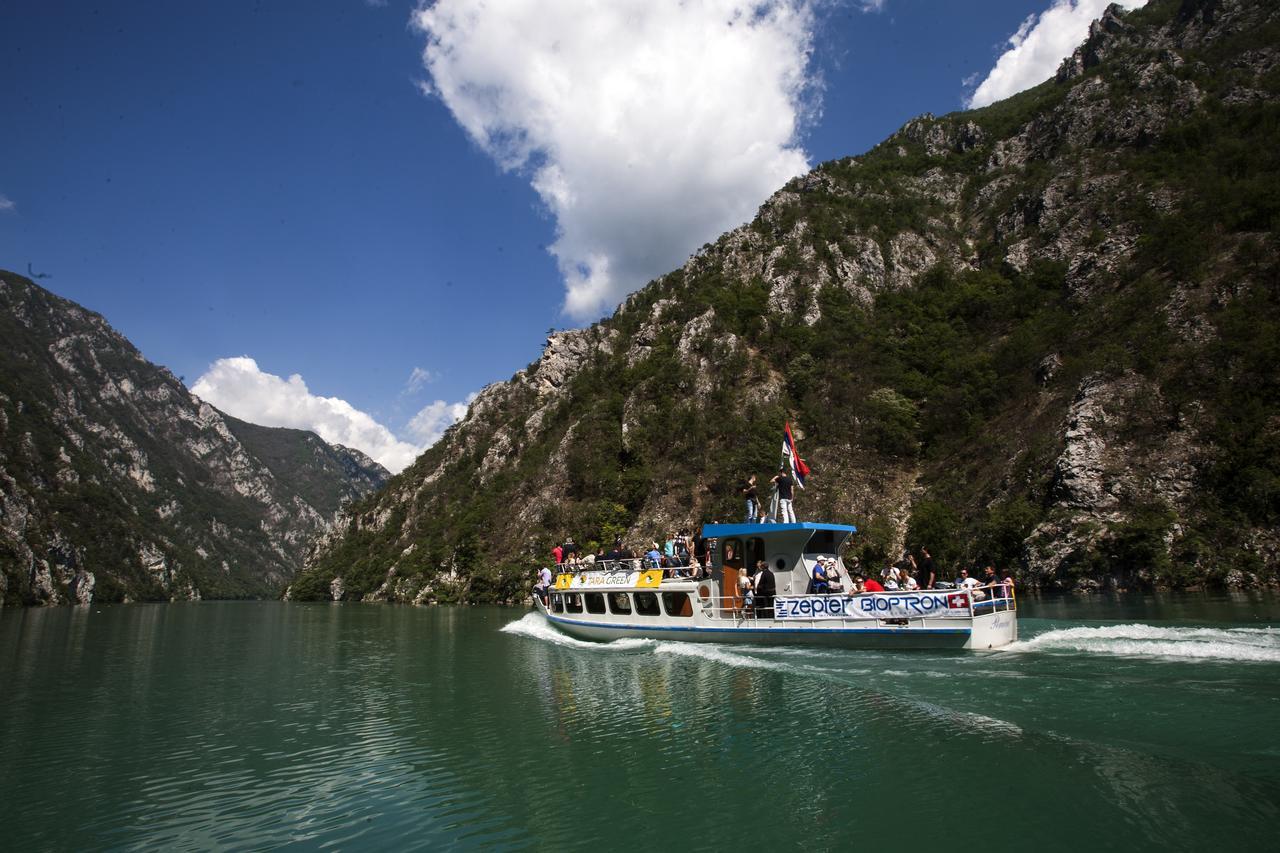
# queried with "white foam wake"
point(536, 626)
point(1137, 640)
point(719, 654)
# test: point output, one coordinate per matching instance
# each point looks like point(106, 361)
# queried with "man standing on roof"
point(748, 492)
point(784, 484)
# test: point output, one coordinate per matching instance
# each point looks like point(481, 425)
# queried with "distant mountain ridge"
point(116, 483)
point(1043, 333)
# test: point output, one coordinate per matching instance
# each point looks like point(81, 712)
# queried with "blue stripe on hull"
point(850, 637)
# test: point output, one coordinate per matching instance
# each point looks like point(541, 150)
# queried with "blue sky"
point(289, 182)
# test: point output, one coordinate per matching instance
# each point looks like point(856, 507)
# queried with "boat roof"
point(715, 531)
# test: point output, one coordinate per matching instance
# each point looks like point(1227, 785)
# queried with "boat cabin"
point(790, 550)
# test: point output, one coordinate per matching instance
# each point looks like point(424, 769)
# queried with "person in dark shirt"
point(782, 480)
point(991, 579)
point(748, 492)
point(924, 570)
point(766, 588)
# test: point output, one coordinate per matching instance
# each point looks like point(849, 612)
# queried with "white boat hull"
point(983, 631)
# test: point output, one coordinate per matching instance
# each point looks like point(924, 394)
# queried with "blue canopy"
point(719, 531)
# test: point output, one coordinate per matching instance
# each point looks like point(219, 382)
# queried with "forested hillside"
point(1043, 333)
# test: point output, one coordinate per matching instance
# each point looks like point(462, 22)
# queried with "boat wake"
point(536, 626)
point(1136, 640)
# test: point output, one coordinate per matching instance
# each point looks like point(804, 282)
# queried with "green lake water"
point(1115, 723)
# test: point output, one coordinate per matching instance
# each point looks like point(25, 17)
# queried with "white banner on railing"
point(904, 605)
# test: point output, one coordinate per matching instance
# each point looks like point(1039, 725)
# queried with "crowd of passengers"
point(680, 554)
point(825, 578)
point(686, 556)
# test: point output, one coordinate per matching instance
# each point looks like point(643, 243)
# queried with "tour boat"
point(610, 601)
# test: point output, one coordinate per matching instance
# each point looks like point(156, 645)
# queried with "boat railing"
point(628, 565)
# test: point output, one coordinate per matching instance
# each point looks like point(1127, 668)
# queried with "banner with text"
point(904, 605)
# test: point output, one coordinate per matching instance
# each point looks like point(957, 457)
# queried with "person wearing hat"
point(834, 584)
point(784, 484)
point(818, 584)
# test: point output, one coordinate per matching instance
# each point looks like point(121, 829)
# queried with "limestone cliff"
point(1041, 333)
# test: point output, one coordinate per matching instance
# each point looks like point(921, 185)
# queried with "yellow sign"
point(564, 581)
point(650, 579)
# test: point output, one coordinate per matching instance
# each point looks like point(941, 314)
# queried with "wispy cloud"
point(240, 388)
point(418, 377)
point(1038, 47)
point(6, 204)
point(647, 127)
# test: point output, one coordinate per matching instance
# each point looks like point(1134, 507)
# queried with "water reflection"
point(354, 726)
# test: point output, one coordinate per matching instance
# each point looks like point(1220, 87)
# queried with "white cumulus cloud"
point(1039, 46)
point(647, 127)
point(6, 204)
point(240, 388)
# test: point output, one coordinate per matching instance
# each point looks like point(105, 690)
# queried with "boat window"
point(754, 553)
point(677, 604)
point(822, 542)
point(573, 603)
point(731, 555)
point(781, 563)
point(595, 602)
point(557, 602)
point(647, 604)
point(620, 603)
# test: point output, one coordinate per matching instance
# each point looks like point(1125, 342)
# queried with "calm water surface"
point(1116, 723)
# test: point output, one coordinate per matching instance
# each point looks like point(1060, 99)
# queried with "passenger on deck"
point(1008, 584)
point(818, 584)
point(909, 583)
point(834, 582)
point(890, 577)
point(872, 585)
point(970, 585)
point(557, 553)
point(858, 586)
point(542, 584)
point(766, 588)
point(652, 559)
point(600, 556)
point(747, 590)
point(925, 577)
point(992, 580)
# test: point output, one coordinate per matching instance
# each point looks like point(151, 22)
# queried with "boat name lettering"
point(866, 606)
point(610, 579)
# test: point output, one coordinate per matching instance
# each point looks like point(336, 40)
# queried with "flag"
point(791, 457)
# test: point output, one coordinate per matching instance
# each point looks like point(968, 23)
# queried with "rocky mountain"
point(1043, 333)
point(117, 484)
